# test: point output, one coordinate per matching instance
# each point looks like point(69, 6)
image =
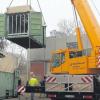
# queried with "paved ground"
point(27, 97)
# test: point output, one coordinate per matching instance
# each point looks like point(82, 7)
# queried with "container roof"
point(19, 9)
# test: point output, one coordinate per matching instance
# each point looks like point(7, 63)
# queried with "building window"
point(17, 23)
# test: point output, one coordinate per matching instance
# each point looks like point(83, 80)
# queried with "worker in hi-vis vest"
point(33, 82)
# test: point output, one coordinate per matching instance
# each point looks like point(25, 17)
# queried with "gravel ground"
point(27, 97)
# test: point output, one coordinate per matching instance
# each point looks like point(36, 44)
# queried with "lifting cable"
point(10, 3)
point(44, 24)
point(41, 12)
point(30, 3)
point(77, 22)
point(27, 2)
point(75, 17)
point(13, 1)
point(28, 68)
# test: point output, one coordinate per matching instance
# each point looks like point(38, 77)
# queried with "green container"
point(35, 24)
point(2, 25)
point(29, 26)
point(8, 84)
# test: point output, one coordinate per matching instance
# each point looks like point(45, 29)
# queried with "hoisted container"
point(24, 27)
point(2, 25)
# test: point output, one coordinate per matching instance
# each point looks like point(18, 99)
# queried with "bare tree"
point(66, 26)
point(3, 44)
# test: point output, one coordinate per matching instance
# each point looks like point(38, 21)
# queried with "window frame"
point(18, 23)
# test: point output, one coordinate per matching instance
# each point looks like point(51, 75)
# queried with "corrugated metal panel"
point(6, 83)
point(36, 23)
point(2, 25)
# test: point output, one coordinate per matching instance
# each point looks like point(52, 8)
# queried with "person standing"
point(42, 83)
point(33, 82)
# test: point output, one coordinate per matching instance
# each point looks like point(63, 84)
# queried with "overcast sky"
point(53, 10)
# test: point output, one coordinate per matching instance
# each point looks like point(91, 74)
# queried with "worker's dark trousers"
point(32, 96)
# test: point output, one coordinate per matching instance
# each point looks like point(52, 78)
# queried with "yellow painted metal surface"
point(79, 41)
point(89, 21)
point(78, 65)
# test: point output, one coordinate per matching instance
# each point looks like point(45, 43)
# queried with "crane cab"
point(74, 62)
point(69, 62)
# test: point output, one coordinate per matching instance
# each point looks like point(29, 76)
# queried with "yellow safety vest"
point(33, 82)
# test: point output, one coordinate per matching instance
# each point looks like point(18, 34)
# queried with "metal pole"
point(12, 25)
point(8, 24)
point(16, 23)
point(20, 23)
point(27, 2)
point(29, 57)
point(68, 83)
point(30, 2)
point(24, 22)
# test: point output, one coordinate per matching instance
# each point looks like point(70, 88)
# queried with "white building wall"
point(52, 43)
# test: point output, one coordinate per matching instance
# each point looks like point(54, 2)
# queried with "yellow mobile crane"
point(75, 74)
point(76, 61)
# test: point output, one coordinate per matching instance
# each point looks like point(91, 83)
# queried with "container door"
point(16, 78)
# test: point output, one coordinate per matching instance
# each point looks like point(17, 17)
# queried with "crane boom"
point(89, 21)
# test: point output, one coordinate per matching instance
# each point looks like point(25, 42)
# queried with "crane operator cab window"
point(58, 59)
point(73, 54)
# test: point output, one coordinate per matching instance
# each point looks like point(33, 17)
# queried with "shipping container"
point(8, 84)
point(9, 75)
point(2, 25)
point(23, 27)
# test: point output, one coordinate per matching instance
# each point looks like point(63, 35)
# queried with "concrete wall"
point(43, 55)
point(52, 43)
point(38, 68)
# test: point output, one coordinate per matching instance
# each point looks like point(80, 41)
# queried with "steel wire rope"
point(29, 38)
point(10, 3)
point(75, 16)
point(44, 25)
point(41, 11)
point(75, 19)
point(13, 1)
